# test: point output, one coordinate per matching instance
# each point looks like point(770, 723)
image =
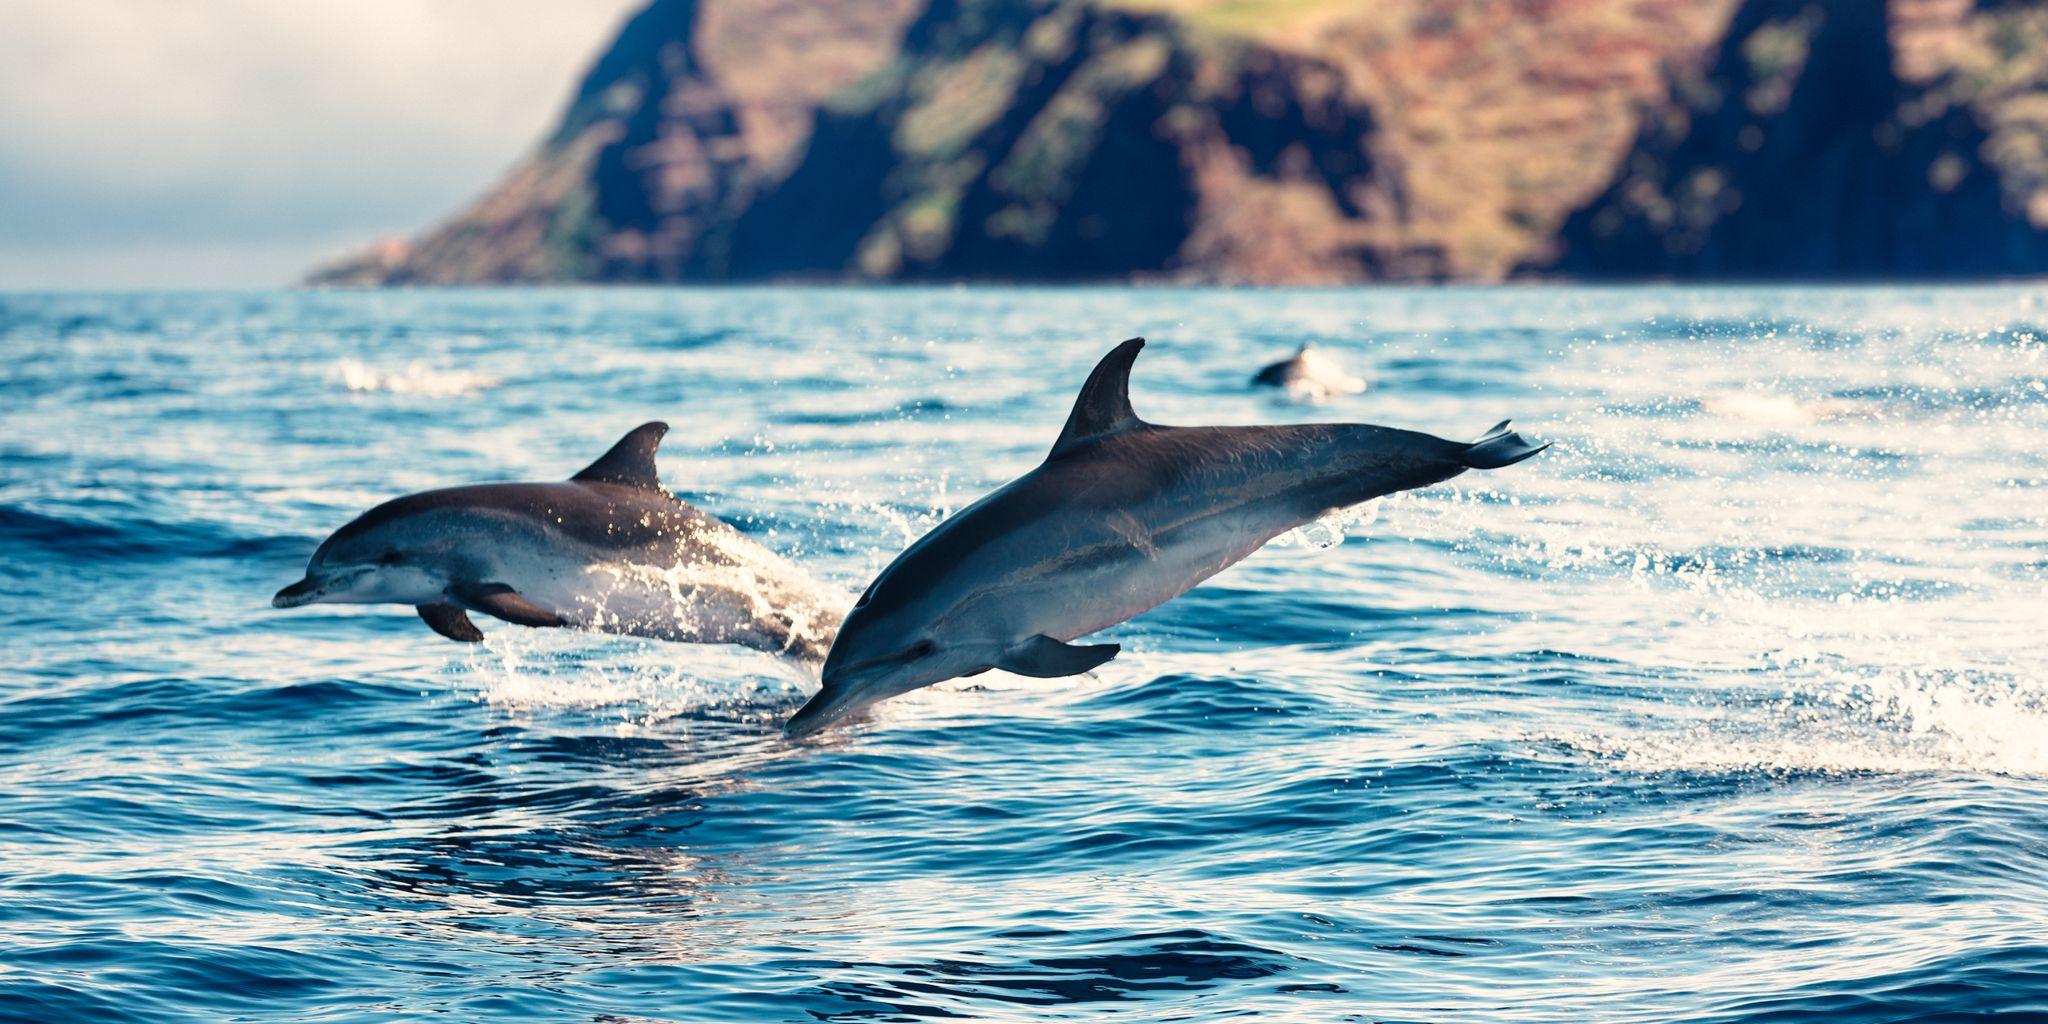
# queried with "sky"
point(236, 143)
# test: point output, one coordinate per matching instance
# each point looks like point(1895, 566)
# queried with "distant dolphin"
point(608, 550)
point(1122, 516)
point(1309, 374)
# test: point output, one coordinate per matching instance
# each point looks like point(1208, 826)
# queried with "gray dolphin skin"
point(1122, 516)
point(1280, 374)
point(609, 549)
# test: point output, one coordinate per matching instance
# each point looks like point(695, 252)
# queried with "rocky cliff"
point(1837, 139)
point(1301, 141)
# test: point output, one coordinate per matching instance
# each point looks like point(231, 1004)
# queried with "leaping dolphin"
point(609, 549)
point(1122, 516)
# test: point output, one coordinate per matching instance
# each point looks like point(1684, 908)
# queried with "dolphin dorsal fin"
point(1104, 407)
point(630, 463)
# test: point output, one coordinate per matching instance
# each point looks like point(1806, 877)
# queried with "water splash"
point(1329, 529)
point(630, 684)
point(744, 595)
point(1316, 377)
point(1904, 722)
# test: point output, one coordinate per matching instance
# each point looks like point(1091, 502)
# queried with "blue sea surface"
point(1733, 706)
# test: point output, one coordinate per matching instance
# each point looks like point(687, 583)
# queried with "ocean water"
point(1730, 707)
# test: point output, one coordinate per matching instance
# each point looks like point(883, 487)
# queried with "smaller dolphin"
point(1121, 517)
point(607, 550)
point(1309, 375)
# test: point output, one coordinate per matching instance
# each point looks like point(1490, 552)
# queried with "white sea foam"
point(713, 600)
point(717, 596)
point(1772, 410)
point(1897, 722)
point(634, 683)
point(414, 378)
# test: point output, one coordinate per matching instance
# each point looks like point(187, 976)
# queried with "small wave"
point(1182, 701)
point(1758, 329)
point(1111, 969)
point(2002, 979)
point(414, 378)
point(1886, 725)
point(84, 538)
point(909, 409)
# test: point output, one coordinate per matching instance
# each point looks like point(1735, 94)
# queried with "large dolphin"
point(1122, 516)
point(608, 550)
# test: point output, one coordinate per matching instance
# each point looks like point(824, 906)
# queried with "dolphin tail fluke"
point(1500, 447)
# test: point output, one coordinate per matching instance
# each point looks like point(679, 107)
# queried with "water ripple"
point(1729, 709)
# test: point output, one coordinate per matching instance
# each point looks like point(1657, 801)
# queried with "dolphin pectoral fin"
point(500, 601)
point(451, 622)
point(1044, 657)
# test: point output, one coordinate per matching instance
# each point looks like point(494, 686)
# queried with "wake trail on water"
point(628, 682)
point(1878, 619)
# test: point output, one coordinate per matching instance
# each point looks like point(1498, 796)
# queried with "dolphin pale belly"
point(1121, 517)
point(609, 549)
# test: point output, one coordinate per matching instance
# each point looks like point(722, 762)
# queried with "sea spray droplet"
point(1328, 530)
point(1320, 534)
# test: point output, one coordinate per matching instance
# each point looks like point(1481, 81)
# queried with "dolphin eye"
point(921, 649)
point(391, 557)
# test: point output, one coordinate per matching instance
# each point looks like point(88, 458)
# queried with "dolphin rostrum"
point(1122, 516)
point(609, 549)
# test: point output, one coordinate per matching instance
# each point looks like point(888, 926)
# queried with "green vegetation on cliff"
point(1281, 141)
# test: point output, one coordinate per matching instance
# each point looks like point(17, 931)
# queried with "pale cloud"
point(245, 132)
